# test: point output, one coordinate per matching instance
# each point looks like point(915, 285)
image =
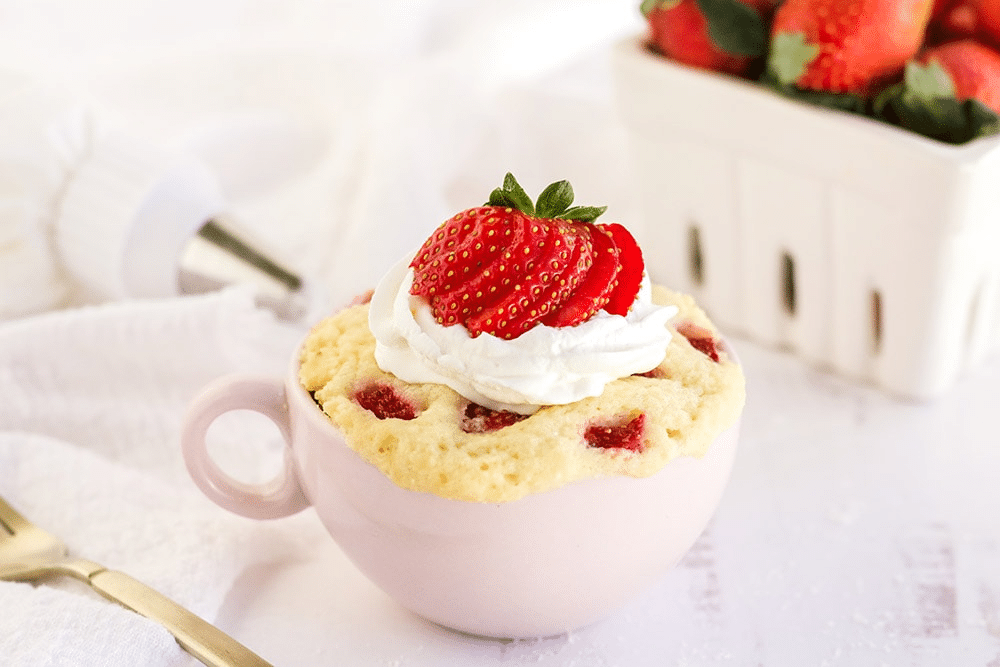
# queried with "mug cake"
point(521, 348)
point(511, 416)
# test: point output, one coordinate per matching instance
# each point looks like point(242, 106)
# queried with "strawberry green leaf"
point(554, 200)
point(983, 120)
point(512, 195)
point(924, 102)
point(735, 27)
point(928, 81)
point(840, 101)
point(647, 6)
point(790, 56)
point(582, 213)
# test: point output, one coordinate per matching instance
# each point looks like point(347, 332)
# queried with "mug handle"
point(280, 497)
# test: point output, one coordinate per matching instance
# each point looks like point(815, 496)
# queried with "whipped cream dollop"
point(544, 366)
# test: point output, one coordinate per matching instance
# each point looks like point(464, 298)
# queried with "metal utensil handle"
point(198, 637)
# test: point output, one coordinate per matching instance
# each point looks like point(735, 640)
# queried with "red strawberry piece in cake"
point(700, 339)
point(385, 402)
point(623, 433)
point(480, 419)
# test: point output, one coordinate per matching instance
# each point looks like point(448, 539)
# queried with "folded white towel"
point(92, 401)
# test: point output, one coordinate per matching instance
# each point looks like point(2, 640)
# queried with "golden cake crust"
point(691, 400)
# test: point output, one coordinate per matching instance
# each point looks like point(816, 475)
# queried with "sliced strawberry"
point(593, 291)
point(517, 311)
point(700, 339)
point(456, 238)
point(461, 293)
point(555, 275)
point(568, 269)
point(623, 433)
point(629, 278)
point(480, 419)
point(508, 266)
point(384, 402)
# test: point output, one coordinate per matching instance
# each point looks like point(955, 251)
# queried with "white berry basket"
point(865, 249)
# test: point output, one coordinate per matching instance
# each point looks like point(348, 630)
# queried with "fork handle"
point(198, 637)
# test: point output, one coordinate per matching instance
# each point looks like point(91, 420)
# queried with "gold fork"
point(28, 553)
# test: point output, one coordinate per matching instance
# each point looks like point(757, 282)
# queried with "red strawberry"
point(974, 70)
point(958, 19)
point(363, 298)
point(480, 419)
point(505, 267)
point(845, 46)
point(592, 293)
point(384, 402)
point(630, 270)
point(534, 269)
point(700, 339)
point(623, 433)
point(723, 36)
point(953, 19)
point(989, 21)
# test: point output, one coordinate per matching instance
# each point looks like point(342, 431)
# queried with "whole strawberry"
point(951, 92)
point(718, 35)
point(512, 264)
point(989, 21)
point(953, 19)
point(974, 71)
point(845, 46)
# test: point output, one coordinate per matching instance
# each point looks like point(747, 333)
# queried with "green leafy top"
point(790, 55)
point(735, 27)
point(924, 102)
point(788, 59)
point(554, 202)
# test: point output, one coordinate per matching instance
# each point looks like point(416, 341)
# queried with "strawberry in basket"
point(957, 19)
point(845, 46)
point(718, 35)
point(949, 92)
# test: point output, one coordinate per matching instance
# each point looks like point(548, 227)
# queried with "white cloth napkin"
point(91, 402)
point(342, 133)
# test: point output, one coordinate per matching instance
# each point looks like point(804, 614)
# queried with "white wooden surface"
point(856, 530)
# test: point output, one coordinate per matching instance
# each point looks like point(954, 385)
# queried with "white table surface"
point(857, 529)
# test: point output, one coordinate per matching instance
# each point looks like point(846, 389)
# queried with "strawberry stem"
point(553, 202)
point(512, 195)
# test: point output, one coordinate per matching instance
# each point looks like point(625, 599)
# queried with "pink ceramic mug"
point(545, 564)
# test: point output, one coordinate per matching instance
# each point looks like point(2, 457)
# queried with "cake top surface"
point(437, 441)
point(519, 304)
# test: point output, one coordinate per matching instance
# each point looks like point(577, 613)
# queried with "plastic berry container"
point(863, 248)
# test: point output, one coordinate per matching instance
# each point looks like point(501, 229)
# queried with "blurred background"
point(340, 132)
